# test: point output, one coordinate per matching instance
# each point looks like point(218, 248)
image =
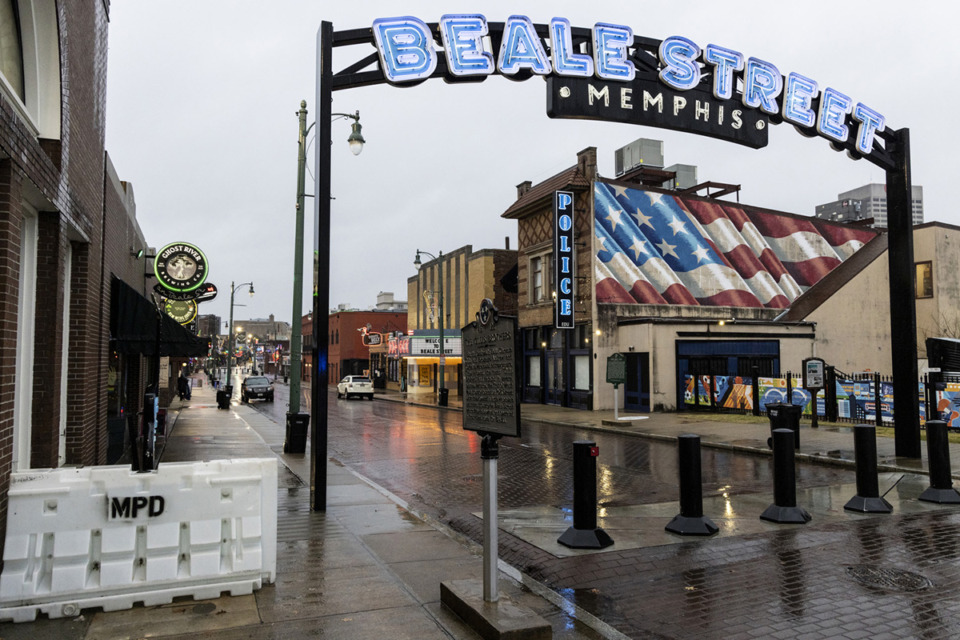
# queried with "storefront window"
point(533, 371)
point(924, 276)
point(581, 373)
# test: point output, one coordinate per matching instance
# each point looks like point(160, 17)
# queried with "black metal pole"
point(691, 521)
point(941, 488)
point(903, 317)
point(868, 499)
point(784, 509)
point(584, 534)
point(321, 298)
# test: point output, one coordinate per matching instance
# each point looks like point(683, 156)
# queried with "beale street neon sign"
point(710, 90)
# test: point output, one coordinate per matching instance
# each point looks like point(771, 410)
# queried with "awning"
point(133, 327)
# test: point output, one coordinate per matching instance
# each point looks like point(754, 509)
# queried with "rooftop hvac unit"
point(686, 176)
point(645, 152)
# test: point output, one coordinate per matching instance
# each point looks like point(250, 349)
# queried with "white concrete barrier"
point(108, 537)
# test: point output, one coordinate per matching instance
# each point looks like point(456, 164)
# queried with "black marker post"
point(491, 407)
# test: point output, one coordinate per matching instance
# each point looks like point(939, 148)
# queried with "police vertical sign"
point(563, 258)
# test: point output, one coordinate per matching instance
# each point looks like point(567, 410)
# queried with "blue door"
point(637, 387)
point(555, 380)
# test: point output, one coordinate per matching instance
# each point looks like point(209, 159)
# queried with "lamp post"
point(233, 290)
point(355, 140)
point(441, 386)
point(321, 296)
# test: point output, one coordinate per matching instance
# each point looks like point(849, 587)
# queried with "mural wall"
point(655, 248)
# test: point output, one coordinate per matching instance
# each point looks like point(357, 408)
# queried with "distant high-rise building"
point(868, 201)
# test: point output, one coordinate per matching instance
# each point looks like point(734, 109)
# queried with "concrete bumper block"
point(504, 619)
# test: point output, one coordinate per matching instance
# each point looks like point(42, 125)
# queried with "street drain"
point(888, 579)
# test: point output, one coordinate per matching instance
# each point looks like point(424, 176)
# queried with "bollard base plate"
point(785, 515)
point(585, 538)
point(940, 496)
point(692, 526)
point(861, 504)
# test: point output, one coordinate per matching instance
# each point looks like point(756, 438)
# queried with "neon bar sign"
point(563, 258)
point(408, 53)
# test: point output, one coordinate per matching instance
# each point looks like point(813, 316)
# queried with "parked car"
point(256, 387)
point(355, 386)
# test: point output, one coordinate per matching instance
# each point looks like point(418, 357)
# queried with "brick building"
point(72, 255)
point(468, 277)
point(348, 355)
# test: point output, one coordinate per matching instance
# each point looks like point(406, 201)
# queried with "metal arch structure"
point(890, 152)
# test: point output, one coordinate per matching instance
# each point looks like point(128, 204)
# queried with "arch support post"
point(903, 317)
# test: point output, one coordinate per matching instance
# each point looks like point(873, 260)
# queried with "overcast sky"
point(201, 118)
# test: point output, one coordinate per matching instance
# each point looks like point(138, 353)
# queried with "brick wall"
point(85, 216)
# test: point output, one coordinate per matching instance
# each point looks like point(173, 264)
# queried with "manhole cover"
point(888, 579)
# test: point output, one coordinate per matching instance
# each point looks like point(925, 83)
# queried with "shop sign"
point(372, 339)
point(407, 52)
point(563, 258)
point(399, 346)
point(420, 346)
point(180, 267)
point(183, 311)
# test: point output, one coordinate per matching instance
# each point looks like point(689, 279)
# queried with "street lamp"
point(356, 141)
point(321, 296)
point(233, 290)
point(441, 387)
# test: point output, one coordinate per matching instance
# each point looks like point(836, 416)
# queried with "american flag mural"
point(655, 248)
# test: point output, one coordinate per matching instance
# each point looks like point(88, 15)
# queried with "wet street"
point(842, 575)
point(849, 575)
point(426, 457)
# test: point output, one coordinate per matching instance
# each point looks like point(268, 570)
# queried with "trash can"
point(296, 440)
point(784, 415)
point(443, 397)
point(224, 396)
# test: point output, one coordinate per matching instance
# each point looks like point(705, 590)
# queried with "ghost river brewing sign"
point(491, 373)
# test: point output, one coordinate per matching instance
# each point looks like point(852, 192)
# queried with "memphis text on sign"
point(408, 53)
point(649, 103)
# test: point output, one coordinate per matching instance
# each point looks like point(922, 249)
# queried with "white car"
point(355, 386)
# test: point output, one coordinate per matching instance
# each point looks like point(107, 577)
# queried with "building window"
point(30, 63)
point(924, 276)
point(533, 371)
point(581, 373)
point(536, 279)
point(11, 53)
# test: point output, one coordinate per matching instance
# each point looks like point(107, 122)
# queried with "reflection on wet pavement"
point(754, 579)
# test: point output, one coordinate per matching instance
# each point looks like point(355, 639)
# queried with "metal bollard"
point(584, 534)
point(690, 521)
point(868, 498)
point(784, 509)
point(941, 488)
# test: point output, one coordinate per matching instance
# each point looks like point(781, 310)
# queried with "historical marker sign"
point(491, 373)
point(616, 369)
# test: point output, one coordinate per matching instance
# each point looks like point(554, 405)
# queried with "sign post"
point(491, 407)
point(616, 375)
point(813, 381)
